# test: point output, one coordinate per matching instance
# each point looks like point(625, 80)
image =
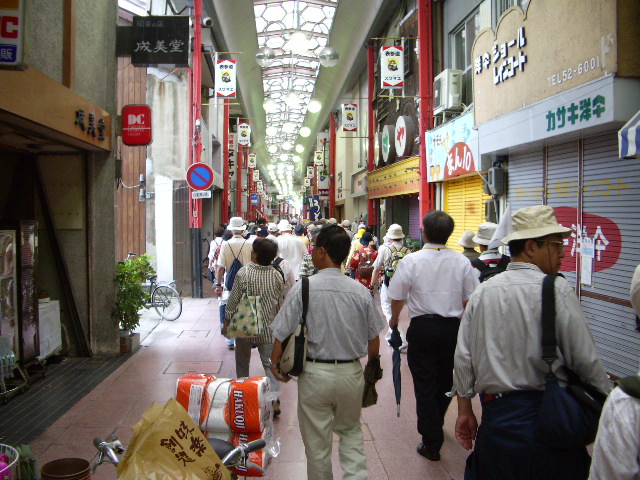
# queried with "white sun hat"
point(466, 240)
point(485, 233)
point(395, 232)
point(236, 224)
point(534, 222)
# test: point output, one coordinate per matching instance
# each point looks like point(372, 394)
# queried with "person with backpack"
point(490, 262)
point(362, 261)
point(234, 254)
point(389, 255)
point(258, 277)
point(435, 283)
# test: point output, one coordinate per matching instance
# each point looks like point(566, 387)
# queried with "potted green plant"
point(131, 295)
point(412, 244)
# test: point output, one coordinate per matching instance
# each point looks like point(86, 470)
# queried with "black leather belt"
point(322, 360)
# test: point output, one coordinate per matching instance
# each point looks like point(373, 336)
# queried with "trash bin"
point(66, 469)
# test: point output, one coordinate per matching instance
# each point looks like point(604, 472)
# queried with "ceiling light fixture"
point(273, 149)
point(328, 57)
point(299, 148)
point(305, 132)
point(314, 106)
point(265, 56)
point(296, 158)
point(287, 146)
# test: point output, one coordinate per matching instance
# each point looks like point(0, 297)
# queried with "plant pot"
point(129, 342)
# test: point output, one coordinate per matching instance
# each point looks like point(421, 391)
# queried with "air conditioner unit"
point(447, 90)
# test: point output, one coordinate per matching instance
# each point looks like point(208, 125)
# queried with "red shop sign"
point(460, 161)
point(136, 125)
point(603, 232)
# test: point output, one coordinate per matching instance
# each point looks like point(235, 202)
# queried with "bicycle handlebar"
point(109, 449)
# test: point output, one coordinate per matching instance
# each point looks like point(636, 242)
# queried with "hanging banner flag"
point(252, 161)
point(323, 184)
point(259, 186)
point(256, 175)
point(306, 182)
point(244, 134)
point(318, 158)
point(349, 117)
point(310, 172)
point(226, 78)
point(392, 67)
point(232, 142)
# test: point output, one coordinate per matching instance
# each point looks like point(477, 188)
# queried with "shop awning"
point(629, 137)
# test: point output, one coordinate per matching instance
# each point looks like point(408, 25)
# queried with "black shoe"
point(428, 454)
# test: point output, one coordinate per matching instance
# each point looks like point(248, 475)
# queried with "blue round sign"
point(200, 176)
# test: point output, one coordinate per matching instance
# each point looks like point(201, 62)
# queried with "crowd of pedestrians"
point(475, 329)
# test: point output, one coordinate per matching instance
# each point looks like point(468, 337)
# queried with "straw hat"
point(395, 232)
point(465, 240)
point(236, 224)
point(534, 222)
point(284, 226)
point(485, 233)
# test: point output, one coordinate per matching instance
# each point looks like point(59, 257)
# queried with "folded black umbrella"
point(372, 373)
point(396, 342)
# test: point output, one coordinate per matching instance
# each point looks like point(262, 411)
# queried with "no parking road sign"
point(200, 176)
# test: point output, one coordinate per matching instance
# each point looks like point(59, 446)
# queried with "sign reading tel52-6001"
point(136, 125)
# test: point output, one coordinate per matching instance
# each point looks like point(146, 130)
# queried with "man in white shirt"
point(499, 356)
point(346, 224)
point(290, 247)
point(235, 247)
point(215, 243)
point(393, 243)
point(435, 283)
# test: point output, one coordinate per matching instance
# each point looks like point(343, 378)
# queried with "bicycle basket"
point(9, 468)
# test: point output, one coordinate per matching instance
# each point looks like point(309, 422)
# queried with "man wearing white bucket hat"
point(395, 239)
point(468, 244)
point(235, 247)
point(491, 261)
point(290, 248)
point(498, 355)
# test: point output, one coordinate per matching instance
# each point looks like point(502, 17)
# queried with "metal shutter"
point(400, 212)
point(415, 222)
point(562, 189)
point(612, 190)
point(524, 180)
point(464, 200)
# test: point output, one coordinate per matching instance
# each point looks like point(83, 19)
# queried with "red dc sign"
point(136, 125)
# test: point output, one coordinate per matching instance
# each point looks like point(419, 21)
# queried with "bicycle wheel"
point(167, 302)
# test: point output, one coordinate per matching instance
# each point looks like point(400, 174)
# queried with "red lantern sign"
point(136, 125)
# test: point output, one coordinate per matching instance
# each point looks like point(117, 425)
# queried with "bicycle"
point(231, 456)
point(163, 297)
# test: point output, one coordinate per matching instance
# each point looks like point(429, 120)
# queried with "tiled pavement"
point(193, 343)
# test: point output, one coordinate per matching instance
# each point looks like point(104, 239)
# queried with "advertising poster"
point(349, 117)
point(452, 149)
point(244, 134)
point(226, 78)
point(251, 163)
point(392, 67)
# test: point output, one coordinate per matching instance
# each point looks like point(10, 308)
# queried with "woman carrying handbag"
point(253, 302)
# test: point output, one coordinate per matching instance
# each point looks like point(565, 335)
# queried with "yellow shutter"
point(464, 200)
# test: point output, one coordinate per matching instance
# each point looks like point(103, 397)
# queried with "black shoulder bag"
point(568, 416)
point(294, 347)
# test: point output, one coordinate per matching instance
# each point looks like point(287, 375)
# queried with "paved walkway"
point(193, 343)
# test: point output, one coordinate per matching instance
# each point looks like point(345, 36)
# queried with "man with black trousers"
point(435, 283)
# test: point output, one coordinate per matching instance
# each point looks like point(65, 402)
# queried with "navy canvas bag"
point(236, 265)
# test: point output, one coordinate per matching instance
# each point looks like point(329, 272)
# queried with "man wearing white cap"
point(394, 237)
point(235, 247)
point(491, 261)
point(616, 453)
point(498, 355)
point(346, 224)
point(290, 248)
point(468, 245)
point(272, 228)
